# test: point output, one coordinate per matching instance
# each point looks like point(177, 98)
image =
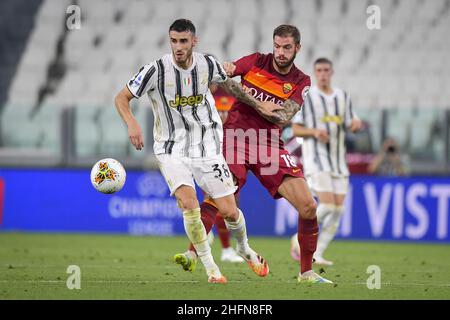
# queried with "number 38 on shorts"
point(211, 174)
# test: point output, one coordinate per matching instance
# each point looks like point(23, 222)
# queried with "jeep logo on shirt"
point(182, 101)
point(329, 118)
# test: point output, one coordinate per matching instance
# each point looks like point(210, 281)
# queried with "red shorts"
point(270, 166)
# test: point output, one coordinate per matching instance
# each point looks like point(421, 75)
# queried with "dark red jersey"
point(266, 84)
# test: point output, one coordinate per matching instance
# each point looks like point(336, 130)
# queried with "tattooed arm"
point(267, 110)
point(290, 108)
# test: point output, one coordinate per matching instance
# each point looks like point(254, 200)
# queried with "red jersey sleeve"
point(299, 94)
point(244, 64)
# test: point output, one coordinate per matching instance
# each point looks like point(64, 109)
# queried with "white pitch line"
point(230, 281)
point(121, 265)
point(100, 281)
point(115, 266)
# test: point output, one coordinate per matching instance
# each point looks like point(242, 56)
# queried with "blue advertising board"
point(64, 201)
point(387, 209)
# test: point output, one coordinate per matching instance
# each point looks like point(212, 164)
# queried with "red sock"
point(223, 232)
point(209, 213)
point(308, 232)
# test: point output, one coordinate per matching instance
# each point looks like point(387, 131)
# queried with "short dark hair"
point(323, 60)
point(286, 30)
point(181, 25)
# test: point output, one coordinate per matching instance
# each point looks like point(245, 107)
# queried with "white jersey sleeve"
point(299, 117)
point(218, 74)
point(143, 81)
point(303, 116)
point(349, 112)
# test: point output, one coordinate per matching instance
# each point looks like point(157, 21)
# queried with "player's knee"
point(229, 213)
point(308, 210)
point(188, 203)
point(227, 208)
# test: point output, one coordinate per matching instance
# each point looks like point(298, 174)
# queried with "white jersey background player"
point(188, 137)
point(326, 115)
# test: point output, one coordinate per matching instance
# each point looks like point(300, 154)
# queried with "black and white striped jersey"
point(334, 114)
point(186, 122)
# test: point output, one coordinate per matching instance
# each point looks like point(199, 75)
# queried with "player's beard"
point(188, 55)
point(285, 64)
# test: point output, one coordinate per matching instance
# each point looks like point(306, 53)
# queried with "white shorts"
point(325, 182)
point(211, 174)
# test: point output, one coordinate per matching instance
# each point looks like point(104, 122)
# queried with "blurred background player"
point(188, 137)
point(322, 123)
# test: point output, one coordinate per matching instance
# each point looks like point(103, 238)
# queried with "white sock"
point(239, 232)
point(324, 210)
point(328, 229)
point(307, 273)
point(196, 233)
point(227, 250)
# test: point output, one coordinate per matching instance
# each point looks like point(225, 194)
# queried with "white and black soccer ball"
point(108, 176)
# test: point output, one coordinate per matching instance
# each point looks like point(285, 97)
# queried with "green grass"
point(33, 266)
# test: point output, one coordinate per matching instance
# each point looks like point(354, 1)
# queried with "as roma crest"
point(287, 87)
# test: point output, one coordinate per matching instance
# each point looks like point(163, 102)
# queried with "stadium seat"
point(20, 129)
point(87, 131)
point(404, 64)
point(305, 11)
point(113, 132)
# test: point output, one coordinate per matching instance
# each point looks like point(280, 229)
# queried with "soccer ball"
point(108, 175)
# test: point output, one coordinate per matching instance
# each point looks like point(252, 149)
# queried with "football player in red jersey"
point(275, 78)
point(252, 136)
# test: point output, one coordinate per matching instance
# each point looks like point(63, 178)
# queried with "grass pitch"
point(33, 266)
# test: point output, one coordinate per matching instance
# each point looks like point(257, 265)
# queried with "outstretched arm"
point(290, 108)
point(265, 109)
point(280, 114)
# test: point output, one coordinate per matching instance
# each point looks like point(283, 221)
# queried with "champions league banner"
point(64, 201)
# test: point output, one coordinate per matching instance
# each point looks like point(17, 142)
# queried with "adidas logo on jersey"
point(184, 101)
